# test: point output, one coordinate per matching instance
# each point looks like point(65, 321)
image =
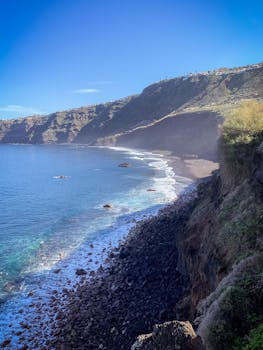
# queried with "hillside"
point(183, 108)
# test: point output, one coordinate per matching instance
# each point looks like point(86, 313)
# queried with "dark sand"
point(192, 167)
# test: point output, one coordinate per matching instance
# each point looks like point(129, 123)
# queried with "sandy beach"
point(193, 167)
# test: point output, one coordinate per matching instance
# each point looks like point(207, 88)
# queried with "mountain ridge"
point(161, 107)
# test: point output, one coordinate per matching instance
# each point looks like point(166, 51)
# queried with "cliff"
point(188, 107)
point(220, 243)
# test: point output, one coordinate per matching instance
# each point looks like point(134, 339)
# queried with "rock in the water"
point(107, 206)
point(80, 272)
point(173, 335)
point(60, 177)
point(9, 286)
point(124, 165)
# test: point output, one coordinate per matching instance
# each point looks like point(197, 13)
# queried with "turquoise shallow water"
point(45, 220)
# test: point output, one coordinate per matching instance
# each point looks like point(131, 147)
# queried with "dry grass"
point(242, 133)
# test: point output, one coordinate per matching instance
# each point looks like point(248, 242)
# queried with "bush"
point(242, 132)
point(255, 340)
point(237, 327)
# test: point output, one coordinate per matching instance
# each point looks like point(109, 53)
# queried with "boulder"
point(172, 335)
point(5, 343)
point(81, 272)
point(107, 206)
point(124, 165)
point(10, 286)
point(60, 177)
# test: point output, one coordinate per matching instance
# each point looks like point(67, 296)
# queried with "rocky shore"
point(140, 287)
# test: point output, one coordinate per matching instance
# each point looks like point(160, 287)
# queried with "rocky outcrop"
point(173, 335)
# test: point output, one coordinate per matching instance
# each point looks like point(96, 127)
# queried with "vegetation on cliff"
point(233, 314)
point(220, 244)
point(240, 317)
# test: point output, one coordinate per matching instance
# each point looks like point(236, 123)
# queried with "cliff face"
point(200, 259)
point(168, 106)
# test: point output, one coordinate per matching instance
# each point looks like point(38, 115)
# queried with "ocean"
point(52, 215)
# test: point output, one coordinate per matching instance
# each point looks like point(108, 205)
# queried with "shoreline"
point(190, 167)
point(22, 326)
point(138, 288)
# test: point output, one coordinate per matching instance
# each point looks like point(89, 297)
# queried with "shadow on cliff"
point(184, 135)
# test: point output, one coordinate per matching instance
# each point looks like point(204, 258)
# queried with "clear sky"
point(59, 54)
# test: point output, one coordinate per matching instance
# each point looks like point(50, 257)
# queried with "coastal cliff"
point(220, 246)
point(199, 260)
point(188, 107)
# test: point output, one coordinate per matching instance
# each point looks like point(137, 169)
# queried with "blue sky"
point(60, 54)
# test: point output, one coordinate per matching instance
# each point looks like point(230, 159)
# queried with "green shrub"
point(241, 230)
point(240, 312)
point(255, 340)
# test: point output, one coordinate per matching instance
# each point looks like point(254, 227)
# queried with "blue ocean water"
point(45, 219)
